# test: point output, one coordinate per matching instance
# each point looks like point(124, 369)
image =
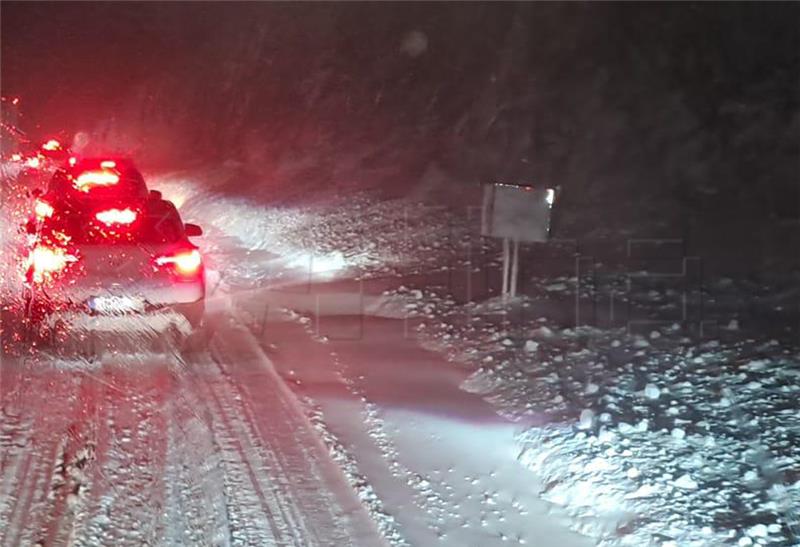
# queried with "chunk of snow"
point(531, 346)
point(644, 491)
point(625, 428)
point(606, 436)
point(556, 287)
point(587, 419)
point(758, 531)
point(686, 482)
point(651, 391)
point(678, 434)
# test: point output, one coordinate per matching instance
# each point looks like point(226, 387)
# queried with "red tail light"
point(45, 261)
point(42, 209)
point(186, 263)
point(33, 162)
point(89, 179)
point(116, 216)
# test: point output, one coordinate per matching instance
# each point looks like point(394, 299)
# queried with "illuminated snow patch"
point(319, 264)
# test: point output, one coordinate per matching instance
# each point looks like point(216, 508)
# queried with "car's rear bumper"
point(149, 317)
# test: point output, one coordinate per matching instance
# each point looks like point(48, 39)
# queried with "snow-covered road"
point(153, 449)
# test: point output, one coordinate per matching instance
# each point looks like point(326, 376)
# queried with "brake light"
point(43, 210)
point(185, 263)
point(72, 161)
point(45, 261)
point(108, 164)
point(33, 162)
point(116, 216)
point(16, 157)
point(52, 145)
point(89, 179)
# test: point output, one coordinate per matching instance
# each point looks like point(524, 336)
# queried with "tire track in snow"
point(30, 481)
point(69, 481)
point(254, 516)
point(126, 504)
point(117, 455)
point(196, 504)
point(307, 483)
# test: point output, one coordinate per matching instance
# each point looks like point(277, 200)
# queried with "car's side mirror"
point(155, 195)
point(193, 230)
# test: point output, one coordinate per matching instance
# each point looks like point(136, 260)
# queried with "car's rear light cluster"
point(186, 263)
point(91, 179)
point(112, 217)
point(45, 261)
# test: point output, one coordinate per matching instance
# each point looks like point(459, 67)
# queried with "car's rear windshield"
point(149, 228)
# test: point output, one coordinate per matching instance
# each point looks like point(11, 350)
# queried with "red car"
point(105, 249)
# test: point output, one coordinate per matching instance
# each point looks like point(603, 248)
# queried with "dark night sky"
point(67, 59)
point(599, 94)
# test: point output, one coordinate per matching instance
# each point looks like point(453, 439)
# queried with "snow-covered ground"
point(660, 434)
point(655, 438)
point(419, 409)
